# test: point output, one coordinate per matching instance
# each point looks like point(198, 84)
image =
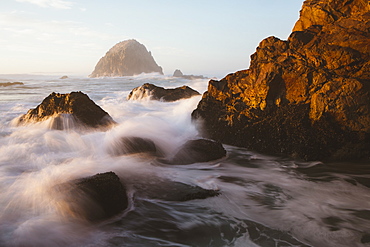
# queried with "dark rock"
point(63, 77)
point(126, 58)
point(172, 191)
point(72, 107)
point(134, 145)
point(95, 198)
point(159, 93)
point(200, 150)
point(6, 84)
point(178, 73)
point(307, 97)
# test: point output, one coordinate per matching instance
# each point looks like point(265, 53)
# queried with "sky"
point(200, 37)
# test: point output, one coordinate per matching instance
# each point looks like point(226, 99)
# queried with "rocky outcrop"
point(154, 92)
point(200, 150)
point(64, 77)
point(307, 97)
point(74, 108)
point(134, 145)
point(178, 73)
point(126, 58)
point(94, 198)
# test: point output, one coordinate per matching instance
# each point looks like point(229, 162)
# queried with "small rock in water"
point(76, 104)
point(133, 145)
point(201, 150)
point(95, 198)
point(63, 77)
point(154, 92)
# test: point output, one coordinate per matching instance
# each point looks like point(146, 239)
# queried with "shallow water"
point(263, 201)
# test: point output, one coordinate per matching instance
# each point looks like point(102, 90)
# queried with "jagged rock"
point(72, 108)
point(178, 73)
point(307, 97)
point(126, 58)
point(159, 93)
point(134, 145)
point(94, 198)
point(6, 84)
point(200, 150)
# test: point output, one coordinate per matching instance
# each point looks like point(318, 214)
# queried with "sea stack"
point(126, 58)
point(307, 97)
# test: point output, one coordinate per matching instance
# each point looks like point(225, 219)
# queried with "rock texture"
point(200, 150)
point(307, 97)
point(94, 198)
point(126, 58)
point(159, 93)
point(75, 107)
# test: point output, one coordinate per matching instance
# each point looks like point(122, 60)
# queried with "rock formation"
point(94, 198)
point(178, 73)
point(134, 145)
point(126, 58)
point(195, 151)
point(7, 84)
point(75, 106)
point(159, 93)
point(307, 97)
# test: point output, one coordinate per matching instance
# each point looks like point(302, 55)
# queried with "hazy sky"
point(209, 37)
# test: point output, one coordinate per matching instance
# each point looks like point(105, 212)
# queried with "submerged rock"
point(159, 93)
point(7, 84)
point(95, 198)
point(194, 151)
point(307, 97)
point(126, 58)
point(134, 145)
point(74, 107)
point(64, 77)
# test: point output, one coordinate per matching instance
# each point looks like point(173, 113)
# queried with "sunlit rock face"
point(126, 58)
point(68, 110)
point(307, 97)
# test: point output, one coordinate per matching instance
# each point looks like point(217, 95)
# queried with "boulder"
point(307, 97)
point(133, 145)
point(94, 198)
point(64, 77)
point(126, 58)
point(159, 93)
point(67, 110)
point(194, 151)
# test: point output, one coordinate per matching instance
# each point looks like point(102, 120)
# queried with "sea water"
point(263, 201)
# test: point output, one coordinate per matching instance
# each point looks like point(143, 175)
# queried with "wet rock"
point(201, 150)
point(7, 84)
point(126, 58)
point(73, 107)
point(159, 93)
point(307, 97)
point(95, 198)
point(64, 77)
point(134, 145)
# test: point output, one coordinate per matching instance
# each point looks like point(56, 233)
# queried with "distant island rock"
point(307, 97)
point(7, 84)
point(178, 73)
point(126, 58)
point(154, 92)
point(63, 77)
point(68, 110)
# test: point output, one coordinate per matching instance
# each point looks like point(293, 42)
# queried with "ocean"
point(263, 201)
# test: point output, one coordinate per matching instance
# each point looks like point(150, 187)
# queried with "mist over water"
point(263, 201)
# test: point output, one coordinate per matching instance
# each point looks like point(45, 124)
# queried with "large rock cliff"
point(307, 97)
point(126, 58)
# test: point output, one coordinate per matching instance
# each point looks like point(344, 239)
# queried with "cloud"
point(58, 4)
